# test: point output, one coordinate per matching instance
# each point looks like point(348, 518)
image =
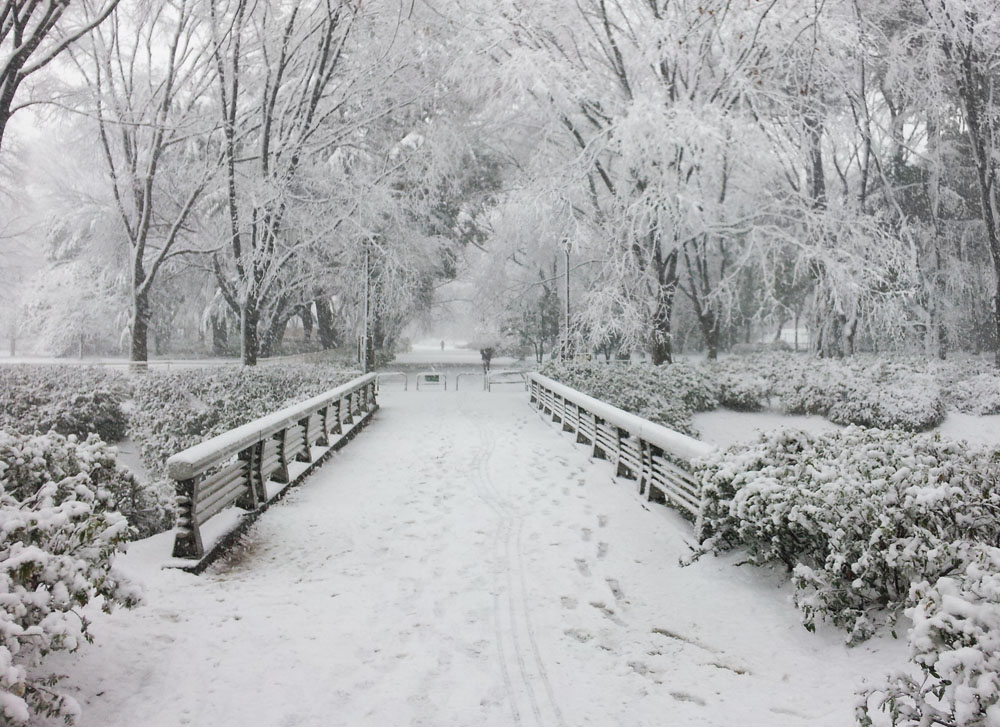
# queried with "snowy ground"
point(463, 562)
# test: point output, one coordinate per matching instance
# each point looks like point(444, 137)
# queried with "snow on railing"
point(654, 455)
point(235, 467)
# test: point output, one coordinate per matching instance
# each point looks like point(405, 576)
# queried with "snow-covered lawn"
point(463, 562)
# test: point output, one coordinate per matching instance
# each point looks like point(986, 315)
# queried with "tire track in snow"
point(519, 626)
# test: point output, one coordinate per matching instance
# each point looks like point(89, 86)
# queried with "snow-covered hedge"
point(740, 387)
point(857, 515)
point(955, 645)
point(174, 411)
point(979, 394)
point(667, 395)
point(58, 533)
point(865, 390)
point(70, 400)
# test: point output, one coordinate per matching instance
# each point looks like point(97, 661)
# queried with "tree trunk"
point(850, 332)
point(996, 322)
point(139, 352)
point(816, 175)
point(249, 340)
point(220, 336)
point(305, 313)
point(274, 336)
point(659, 348)
point(710, 332)
point(661, 335)
point(325, 324)
point(975, 88)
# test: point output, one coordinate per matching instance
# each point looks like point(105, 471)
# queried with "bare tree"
point(147, 74)
point(35, 32)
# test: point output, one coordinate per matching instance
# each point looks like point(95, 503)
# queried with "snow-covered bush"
point(955, 644)
point(857, 515)
point(739, 387)
point(979, 395)
point(808, 386)
point(888, 396)
point(174, 411)
point(58, 533)
point(667, 395)
point(863, 390)
point(70, 400)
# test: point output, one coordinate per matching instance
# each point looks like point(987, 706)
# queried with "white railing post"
point(654, 455)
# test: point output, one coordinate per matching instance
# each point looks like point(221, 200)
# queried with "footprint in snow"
point(602, 520)
point(685, 697)
point(616, 589)
point(602, 550)
point(579, 634)
point(639, 668)
point(587, 533)
point(568, 602)
point(607, 611)
point(581, 565)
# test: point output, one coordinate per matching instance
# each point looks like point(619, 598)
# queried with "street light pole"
point(364, 334)
point(566, 350)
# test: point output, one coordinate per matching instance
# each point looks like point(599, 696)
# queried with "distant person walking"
point(487, 356)
point(442, 345)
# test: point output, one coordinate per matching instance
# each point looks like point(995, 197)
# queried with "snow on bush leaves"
point(857, 515)
point(955, 643)
point(978, 395)
point(667, 395)
point(69, 400)
point(174, 411)
point(58, 533)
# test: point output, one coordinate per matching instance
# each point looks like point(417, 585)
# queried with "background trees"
point(702, 173)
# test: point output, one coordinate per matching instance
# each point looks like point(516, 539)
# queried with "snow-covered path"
point(462, 562)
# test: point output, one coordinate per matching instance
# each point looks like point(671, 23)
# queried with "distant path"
point(462, 563)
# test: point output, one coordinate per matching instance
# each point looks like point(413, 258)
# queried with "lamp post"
point(364, 333)
point(566, 346)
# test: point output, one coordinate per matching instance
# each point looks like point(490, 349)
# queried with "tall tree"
point(147, 74)
point(33, 33)
point(965, 34)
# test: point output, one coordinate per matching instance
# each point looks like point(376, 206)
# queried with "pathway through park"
point(463, 562)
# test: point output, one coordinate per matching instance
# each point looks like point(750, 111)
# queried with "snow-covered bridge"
point(462, 562)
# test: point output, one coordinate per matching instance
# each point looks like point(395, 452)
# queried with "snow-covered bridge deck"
point(462, 562)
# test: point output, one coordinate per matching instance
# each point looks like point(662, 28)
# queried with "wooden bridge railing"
point(654, 455)
point(234, 468)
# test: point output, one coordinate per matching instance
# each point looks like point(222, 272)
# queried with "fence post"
point(255, 495)
point(338, 418)
point(598, 452)
point(281, 474)
point(306, 454)
point(188, 543)
point(324, 433)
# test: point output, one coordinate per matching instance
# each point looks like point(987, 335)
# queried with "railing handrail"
point(660, 436)
point(193, 461)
